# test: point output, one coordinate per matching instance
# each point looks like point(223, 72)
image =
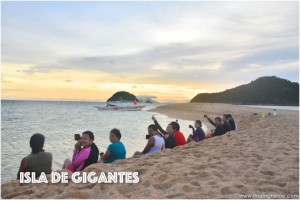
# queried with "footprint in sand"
point(239, 186)
point(263, 183)
point(194, 183)
point(161, 177)
point(218, 175)
point(172, 196)
point(258, 157)
point(256, 165)
point(162, 186)
point(51, 192)
point(141, 171)
point(212, 183)
point(294, 178)
point(226, 190)
point(269, 173)
point(203, 174)
point(186, 188)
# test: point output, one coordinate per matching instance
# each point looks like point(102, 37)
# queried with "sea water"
point(59, 121)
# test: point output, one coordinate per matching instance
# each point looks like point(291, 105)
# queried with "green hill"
point(122, 95)
point(268, 90)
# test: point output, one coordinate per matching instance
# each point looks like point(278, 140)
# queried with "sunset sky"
point(171, 50)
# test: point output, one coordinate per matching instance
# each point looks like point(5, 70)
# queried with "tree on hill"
point(122, 95)
point(268, 90)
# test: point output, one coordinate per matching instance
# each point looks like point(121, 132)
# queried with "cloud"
point(146, 97)
point(267, 57)
point(180, 43)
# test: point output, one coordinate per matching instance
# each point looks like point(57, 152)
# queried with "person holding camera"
point(198, 134)
point(155, 142)
point(85, 153)
point(116, 150)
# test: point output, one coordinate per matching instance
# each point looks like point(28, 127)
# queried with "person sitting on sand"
point(116, 150)
point(198, 134)
point(179, 137)
point(218, 124)
point(38, 161)
point(167, 134)
point(225, 124)
point(85, 153)
point(231, 122)
point(155, 142)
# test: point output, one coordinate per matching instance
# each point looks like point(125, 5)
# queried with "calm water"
point(59, 121)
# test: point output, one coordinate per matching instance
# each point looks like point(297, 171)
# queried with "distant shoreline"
point(193, 111)
point(163, 103)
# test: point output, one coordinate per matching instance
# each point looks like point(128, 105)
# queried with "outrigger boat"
point(121, 108)
point(125, 108)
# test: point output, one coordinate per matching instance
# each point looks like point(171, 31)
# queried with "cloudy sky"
point(171, 50)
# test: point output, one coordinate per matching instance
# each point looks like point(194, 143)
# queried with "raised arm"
point(210, 121)
point(162, 132)
point(79, 157)
point(193, 129)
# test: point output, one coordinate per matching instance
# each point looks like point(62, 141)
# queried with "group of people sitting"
point(86, 151)
point(223, 125)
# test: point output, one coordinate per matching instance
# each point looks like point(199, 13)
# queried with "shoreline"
point(261, 157)
point(215, 109)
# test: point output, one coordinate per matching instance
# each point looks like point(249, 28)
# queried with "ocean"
point(58, 121)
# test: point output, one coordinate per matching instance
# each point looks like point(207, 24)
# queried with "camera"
point(77, 137)
point(147, 137)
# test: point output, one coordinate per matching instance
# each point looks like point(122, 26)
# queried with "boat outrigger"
point(110, 106)
point(125, 108)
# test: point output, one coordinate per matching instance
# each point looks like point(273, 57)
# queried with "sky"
point(169, 50)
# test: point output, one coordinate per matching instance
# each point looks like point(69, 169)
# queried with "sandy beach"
point(260, 158)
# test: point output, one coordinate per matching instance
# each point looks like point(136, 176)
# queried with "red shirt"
point(179, 138)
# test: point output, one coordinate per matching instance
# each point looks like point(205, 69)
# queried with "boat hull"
point(122, 108)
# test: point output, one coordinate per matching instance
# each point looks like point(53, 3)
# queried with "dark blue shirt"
point(226, 127)
point(198, 134)
point(232, 124)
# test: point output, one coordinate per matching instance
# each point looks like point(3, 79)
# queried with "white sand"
point(261, 157)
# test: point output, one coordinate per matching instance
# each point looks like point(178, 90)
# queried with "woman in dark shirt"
point(166, 134)
point(198, 134)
